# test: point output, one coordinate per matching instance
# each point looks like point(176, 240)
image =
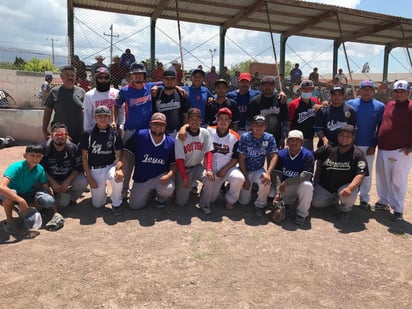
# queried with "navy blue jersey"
point(291, 167)
point(213, 107)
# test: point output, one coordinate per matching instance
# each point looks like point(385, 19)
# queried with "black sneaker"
point(380, 206)
point(343, 216)
point(364, 205)
point(259, 212)
point(397, 217)
point(299, 220)
point(117, 211)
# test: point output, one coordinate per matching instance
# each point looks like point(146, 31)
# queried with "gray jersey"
point(194, 148)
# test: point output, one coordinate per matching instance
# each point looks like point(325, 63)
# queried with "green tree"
point(37, 65)
point(19, 63)
point(241, 67)
point(288, 66)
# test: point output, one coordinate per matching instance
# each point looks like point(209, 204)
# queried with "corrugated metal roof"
point(288, 17)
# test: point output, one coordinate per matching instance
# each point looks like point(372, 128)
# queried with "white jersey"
point(224, 147)
point(194, 148)
point(93, 99)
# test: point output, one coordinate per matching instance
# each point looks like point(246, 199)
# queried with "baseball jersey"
point(274, 111)
point(198, 98)
point(396, 129)
point(194, 148)
point(256, 149)
point(291, 167)
point(302, 116)
point(22, 179)
point(242, 101)
point(59, 164)
point(213, 107)
point(173, 106)
point(151, 159)
point(369, 116)
point(138, 106)
point(93, 99)
point(224, 147)
point(101, 145)
point(330, 119)
point(338, 168)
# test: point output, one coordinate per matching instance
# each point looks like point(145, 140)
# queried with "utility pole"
point(212, 54)
point(111, 41)
point(52, 40)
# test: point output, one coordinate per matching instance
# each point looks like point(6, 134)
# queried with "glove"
point(279, 211)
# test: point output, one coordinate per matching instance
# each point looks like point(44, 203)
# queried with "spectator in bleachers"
point(80, 67)
point(158, 72)
point(127, 58)
point(117, 71)
point(98, 64)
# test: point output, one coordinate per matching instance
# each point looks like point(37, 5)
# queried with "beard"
point(59, 143)
point(157, 134)
point(102, 87)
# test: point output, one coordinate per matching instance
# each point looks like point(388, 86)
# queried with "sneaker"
point(56, 222)
point(364, 205)
point(230, 206)
point(117, 211)
point(206, 209)
point(299, 220)
point(259, 212)
point(160, 204)
point(397, 217)
point(343, 215)
point(380, 206)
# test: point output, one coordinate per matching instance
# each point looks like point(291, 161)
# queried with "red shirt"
point(395, 131)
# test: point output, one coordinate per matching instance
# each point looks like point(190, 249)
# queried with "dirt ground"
point(181, 258)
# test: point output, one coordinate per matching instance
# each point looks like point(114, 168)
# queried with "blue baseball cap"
point(367, 83)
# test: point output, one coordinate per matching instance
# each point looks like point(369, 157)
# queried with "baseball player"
point(154, 153)
point(293, 175)
point(197, 146)
point(343, 169)
point(253, 149)
point(225, 159)
point(102, 94)
point(101, 149)
point(394, 159)
point(369, 117)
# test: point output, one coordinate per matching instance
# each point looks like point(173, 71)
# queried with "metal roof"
point(287, 17)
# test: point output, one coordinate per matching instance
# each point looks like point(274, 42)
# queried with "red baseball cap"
point(246, 76)
point(225, 111)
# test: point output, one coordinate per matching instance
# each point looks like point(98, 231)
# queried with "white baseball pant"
point(100, 175)
point(263, 191)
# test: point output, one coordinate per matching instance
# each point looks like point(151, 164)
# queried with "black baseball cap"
point(347, 128)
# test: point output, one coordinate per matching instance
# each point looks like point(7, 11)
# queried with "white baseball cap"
point(295, 134)
point(401, 85)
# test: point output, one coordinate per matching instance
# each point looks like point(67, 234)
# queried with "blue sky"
point(30, 24)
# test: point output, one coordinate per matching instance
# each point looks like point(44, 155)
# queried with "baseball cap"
point(32, 219)
point(259, 118)
point(268, 79)
point(401, 85)
point(137, 68)
point(169, 73)
point(197, 70)
point(158, 118)
point(48, 76)
point(221, 81)
point(102, 110)
point(174, 62)
point(102, 70)
point(224, 111)
point(348, 128)
point(246, 76)
point(99, 57)
point(68, 67)
point(295, 134)
point(337, 88)
point(307, 83)
point(367, 83)
point(194, 112)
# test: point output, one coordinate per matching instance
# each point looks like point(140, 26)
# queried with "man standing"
point(331, 118)
point(254, 147)
point(394, 160)
point(45, 88)
point(296, 75)
point(61, 161)
point(154, 153)
point(213, 106)
point(343, 169)
point(293, 175)
point(67, 103)
point(98, 64)
point(242, 96)
point(369, 113)
point(341, 78)
point(314, 76)
point(103, 94)
point(276, 113)
point(127, 59)
point(197, 146)
point(302, 112)
point(101, 149)
point(211, 78)
point(225, 158)
point(171, 103)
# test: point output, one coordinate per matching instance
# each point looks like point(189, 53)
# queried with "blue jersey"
point(138, 106)
point(291, 167)
point(369, 115)
point(256, 149)
point(198, 98)
point(242, 101)
point(151, 160)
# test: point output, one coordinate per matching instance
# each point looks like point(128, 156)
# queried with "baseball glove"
point(279, 211)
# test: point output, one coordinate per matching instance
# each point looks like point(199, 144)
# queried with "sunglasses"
point(59, 135)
